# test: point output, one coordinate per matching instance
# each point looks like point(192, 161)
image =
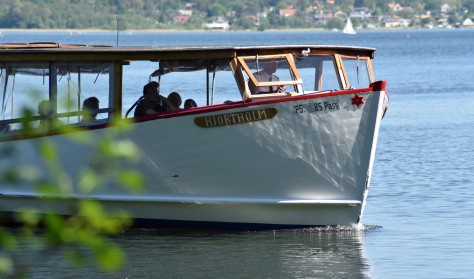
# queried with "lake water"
point(419, 218)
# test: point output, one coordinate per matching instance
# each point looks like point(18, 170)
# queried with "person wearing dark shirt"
point(152, 102)
point(190, 103)
point(90, 108)
point(175, 99)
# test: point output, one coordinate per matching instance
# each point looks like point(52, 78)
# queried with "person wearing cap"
point(152, 102)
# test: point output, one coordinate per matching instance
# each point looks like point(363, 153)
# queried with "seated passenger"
point(90, 108)
point(266, 75)
point(152, 102)
point(47, 122)
point(189, 103)
point(175, 99)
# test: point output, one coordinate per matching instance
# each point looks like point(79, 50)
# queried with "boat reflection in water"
point(308, 253)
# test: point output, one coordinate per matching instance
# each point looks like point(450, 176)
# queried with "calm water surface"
point(418, 221)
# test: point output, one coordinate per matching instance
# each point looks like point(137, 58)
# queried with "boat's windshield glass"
point(258, 67)
point(263, 74)
point(357, 71)
point(318, 73)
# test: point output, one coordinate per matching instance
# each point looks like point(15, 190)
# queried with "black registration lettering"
point(318, 107)
point(299, 109)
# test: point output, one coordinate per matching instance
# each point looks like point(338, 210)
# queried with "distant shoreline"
point(79, 31)
point(151, 30)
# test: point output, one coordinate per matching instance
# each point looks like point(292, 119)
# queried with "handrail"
point(133, 106)
point(57, 115)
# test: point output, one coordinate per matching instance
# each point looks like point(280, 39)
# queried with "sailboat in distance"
point(348, 29)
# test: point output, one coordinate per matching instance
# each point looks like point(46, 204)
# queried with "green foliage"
point(91, 224)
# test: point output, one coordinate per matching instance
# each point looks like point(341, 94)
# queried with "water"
point(418, 222)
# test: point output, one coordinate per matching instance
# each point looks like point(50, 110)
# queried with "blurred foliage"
point(91, 224)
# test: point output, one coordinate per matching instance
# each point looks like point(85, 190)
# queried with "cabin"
point(66, 75)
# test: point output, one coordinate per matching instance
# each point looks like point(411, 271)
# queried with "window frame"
point(292, 68)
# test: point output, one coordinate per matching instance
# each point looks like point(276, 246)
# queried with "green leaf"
point(77, 135)
point(132, 180)
point(47, 189)
point(110, 257)
point(92, 210)
point(89, 180)
point(54, 228)
point(6, 265)
point(120, 149)
point(30, 173)
point(29, 217)
point(7, 240)
point(48, 152)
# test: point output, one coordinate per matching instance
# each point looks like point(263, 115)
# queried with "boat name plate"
point(240, 117)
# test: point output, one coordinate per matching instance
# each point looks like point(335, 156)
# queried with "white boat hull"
point(300, 168)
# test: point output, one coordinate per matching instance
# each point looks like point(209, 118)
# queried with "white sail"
point(348, 29)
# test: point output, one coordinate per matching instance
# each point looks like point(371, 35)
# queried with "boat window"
point(23, 86)
point(264, 74)
point(77, 82)
point(357, 71)
point(189, 85)
point(29, 88)
point(318, 73)
point(207, 82)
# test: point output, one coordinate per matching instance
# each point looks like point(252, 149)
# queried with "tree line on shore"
point(162, 14)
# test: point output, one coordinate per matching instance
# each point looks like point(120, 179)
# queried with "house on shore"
point(219, 24)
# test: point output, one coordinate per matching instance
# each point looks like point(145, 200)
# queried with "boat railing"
point(61, 115)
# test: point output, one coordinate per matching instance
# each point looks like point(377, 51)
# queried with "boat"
point(348, 29)
point(297, 157)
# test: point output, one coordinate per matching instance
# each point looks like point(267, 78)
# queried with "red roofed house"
point(395, 7)
point(181, 19)
point(290, 11)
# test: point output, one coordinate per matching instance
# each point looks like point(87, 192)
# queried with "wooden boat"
point(296, 157)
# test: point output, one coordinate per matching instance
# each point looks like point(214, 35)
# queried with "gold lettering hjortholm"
point(241, 117)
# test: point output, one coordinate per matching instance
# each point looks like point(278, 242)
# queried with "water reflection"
point(312, 253)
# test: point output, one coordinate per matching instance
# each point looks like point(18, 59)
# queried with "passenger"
point(266, 75)
point(189, 103)
point(47, 122)
point(175, 99)
point(90, 108)
point(152, 102)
